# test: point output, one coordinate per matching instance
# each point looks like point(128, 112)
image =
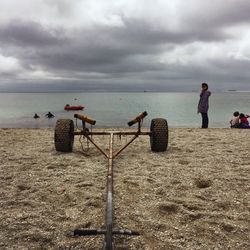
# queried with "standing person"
point(203, 104)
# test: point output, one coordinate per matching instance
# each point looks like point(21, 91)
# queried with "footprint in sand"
point(203, 183)
point(168, 208)
point(184, 162)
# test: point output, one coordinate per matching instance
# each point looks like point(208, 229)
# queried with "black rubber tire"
point(159, 135)
point(64, 135)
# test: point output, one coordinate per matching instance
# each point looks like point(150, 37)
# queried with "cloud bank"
point(52, 45)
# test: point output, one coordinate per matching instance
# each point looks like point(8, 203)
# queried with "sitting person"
point(244, 123)
point(235, 121)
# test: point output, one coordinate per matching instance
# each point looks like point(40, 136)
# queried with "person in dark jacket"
point(203, 104)
point(36, 116)
point(49, 115)
point(244, 123)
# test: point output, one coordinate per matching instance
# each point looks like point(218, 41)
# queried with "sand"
point(194, 196)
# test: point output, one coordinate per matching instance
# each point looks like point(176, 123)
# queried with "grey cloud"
point(104, 49)
point(8, 75)
point(232, 12)
point(25, 34)
point(63, 7)
point(82, 50)
point(142, 31)
point(219, 15)
point(125, 54)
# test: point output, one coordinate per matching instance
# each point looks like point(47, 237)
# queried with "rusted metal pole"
point(108, 230)
point(109, 207)
point(87, 136)
point(120, 150)
point(114, 133)
point(136, 134)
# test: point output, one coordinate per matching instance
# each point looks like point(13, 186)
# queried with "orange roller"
point(138, 118)
point(85, 119)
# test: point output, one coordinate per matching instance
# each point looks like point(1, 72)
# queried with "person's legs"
point(204, 120)
point(243, 125)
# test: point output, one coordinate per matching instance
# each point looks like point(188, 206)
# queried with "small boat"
point(69, 107)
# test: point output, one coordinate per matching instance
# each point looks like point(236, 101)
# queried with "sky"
point(124, 45)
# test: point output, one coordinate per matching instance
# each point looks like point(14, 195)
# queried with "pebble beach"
point(196, 195)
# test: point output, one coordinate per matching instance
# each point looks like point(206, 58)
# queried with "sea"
point(116, 109)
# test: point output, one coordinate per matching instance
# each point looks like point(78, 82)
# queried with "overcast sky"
point(63, 45)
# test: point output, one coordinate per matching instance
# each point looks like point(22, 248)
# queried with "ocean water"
point(116, 109)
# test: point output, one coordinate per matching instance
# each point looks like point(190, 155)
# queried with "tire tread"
point(64, 137)
point(159, 136)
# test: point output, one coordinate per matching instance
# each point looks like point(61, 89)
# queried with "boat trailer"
point(64, 140)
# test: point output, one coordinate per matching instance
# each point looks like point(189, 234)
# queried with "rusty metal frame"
point(108, 230)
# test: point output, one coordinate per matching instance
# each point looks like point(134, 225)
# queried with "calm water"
point(116, 109)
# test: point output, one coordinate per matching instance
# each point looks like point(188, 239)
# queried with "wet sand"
point(196, 195)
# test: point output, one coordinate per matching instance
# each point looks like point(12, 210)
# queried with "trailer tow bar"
point(64, 139)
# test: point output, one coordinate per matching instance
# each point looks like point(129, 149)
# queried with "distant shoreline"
point(121, 91)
